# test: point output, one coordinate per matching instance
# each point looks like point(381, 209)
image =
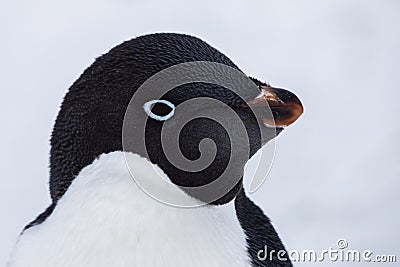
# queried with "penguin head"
point(194, 131)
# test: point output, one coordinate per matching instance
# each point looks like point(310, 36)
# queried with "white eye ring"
point(149, 105)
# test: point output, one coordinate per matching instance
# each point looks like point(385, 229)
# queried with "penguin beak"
point(285, 106)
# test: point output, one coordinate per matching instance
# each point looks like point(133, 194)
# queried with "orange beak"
point(285, 106)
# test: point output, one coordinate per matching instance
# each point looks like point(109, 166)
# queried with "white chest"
point(104, 219)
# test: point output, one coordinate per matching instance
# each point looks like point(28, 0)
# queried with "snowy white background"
point(336, 172)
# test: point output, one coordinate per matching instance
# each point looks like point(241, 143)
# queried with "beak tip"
point(285, 106)
point(289, 108)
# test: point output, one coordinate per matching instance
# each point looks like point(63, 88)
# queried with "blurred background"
point(336, 172)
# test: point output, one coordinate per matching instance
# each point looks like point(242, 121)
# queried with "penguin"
point(100, 216)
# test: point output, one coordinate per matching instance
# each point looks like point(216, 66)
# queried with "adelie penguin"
point(101, 216)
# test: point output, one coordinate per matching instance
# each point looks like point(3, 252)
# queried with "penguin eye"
point(160, 110)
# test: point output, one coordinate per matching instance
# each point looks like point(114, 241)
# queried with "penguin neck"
point(106, 215)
